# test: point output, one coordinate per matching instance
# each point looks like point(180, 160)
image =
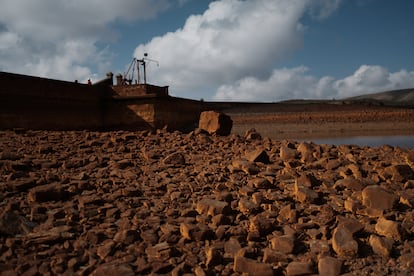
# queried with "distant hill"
point(403, 97)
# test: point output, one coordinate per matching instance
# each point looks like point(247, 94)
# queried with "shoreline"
point(325, 121)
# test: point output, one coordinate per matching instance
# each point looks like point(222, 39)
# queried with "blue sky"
point(231, 50)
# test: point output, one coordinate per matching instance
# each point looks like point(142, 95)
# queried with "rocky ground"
point(133, 203)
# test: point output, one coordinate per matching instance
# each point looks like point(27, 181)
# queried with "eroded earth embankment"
point(133, 203)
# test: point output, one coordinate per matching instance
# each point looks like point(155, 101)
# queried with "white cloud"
point(231, 40)
point(322, 9)
point(297, 83)
point(56, 38)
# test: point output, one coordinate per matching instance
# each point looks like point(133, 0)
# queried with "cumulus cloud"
point(231, 40)
point(298, 83)
point(57, 38)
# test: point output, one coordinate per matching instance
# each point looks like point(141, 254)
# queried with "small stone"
point(284, 244)
point(400, 172)
point(377, 198)
point(113, 269)
point(353, 225)
point(388, 228)
point(211, 207)
point(299, 268)
point(349, 183)
point(259, 155)
point(273, 256)
point(106, 249)
point(186, 230)
point(198, 271)
point(48, 192)
point(287, 214)
point(251, 267)
point(304, 194)
point(343, 243)
point(231, 247)
point(319, 247)
point(252, 134)
point(159, 252)
point(126, 236)
point(259, 183)
point(247, 206)
point(287, 154)
point(196, 232)
point(306, 152)
point(329, 266)
point(407, 261)
point(246, 166)
point(213, 256)
point(261, 224)
point(175, 159)
point(352, 205)
point(380, 245)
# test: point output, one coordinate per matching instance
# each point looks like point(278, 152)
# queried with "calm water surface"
point(371, 141)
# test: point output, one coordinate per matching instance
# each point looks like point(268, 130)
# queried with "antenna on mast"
point(143, 63)
point(137, 64)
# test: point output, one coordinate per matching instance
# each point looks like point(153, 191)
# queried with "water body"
point(370, 141)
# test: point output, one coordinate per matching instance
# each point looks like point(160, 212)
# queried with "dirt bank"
point(138, 203)
point(309, 121)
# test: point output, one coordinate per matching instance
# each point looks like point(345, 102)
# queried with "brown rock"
point(343, 243)
point(251, 267)
point(211, 207)
point(304, 194)
point(350, 183)
point(400, 172)
point(50, 236)
point(113, 269)
point(284, 244)
point(287, 154)
point(175, 159)
point(196, 232)
point(215, 123)
point(22, 184)
point(381, 246)
point(106, 249)
point(231, 247)
point(407, 261)
point(126, 236)
point(319, 247)
point(299, 268)
point(352, 205)
point(245, 166)
point(329, 266)
point(351, 224)
point(214, 256)
point(259, 155)
point(247, 206)
point(261, 224)
point(252, 134)
point(306, 152)
point(377, 198)
point(388, 228)
point(159, 252)
point(11, 223)
point(287, 214)
point(273, 256)
point(47, 192)
point(259, 183)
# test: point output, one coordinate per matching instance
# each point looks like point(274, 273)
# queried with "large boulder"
point(215, 123)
